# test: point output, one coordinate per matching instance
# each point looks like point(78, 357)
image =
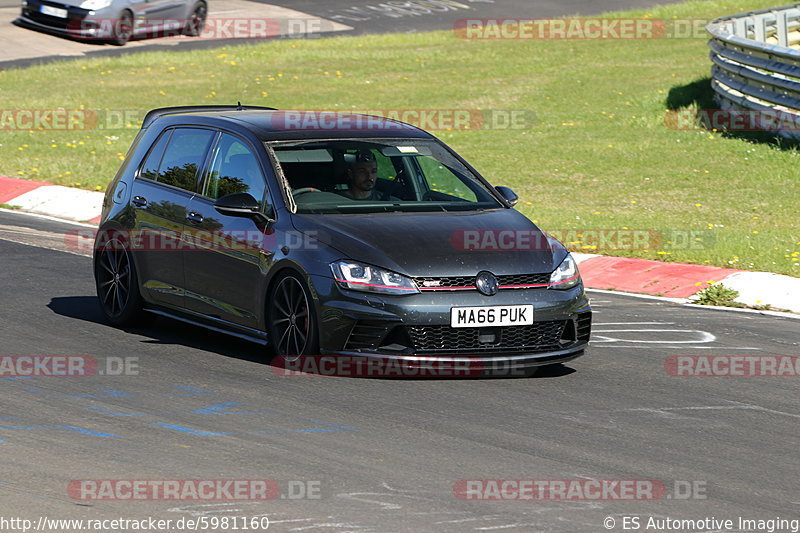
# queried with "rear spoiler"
point(161, 111)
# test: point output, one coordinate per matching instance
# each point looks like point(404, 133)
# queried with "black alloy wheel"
point(292, 325)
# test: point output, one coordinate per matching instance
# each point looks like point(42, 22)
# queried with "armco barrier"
point(757, 63)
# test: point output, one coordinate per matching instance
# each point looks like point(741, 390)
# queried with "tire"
point(291, 318)
point(117, 283)
point(123, 29)
point(196, 21)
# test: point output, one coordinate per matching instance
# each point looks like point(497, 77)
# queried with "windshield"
point(353, 176)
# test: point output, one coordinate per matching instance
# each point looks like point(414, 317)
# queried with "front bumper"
point(415, 329)
point(79, 23)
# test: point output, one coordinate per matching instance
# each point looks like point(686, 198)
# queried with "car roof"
point(273, 124)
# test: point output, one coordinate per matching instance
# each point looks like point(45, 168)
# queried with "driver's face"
point(363, 176)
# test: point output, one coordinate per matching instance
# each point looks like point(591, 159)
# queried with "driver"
point(362, 174)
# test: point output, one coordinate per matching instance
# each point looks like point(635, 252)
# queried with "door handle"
point(139, 201)
point(195, 217)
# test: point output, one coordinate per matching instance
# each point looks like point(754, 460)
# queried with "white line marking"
point(633, 323)
point(745, 406)
point(675, 347)
point(705, 336)
point(491, 528)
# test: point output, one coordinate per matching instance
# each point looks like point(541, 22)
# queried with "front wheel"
point(197, 20)
point(123, 29)
point(117, 283)
point(291, 318)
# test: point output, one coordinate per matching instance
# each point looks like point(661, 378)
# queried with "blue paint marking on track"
point(109, 393)
point(192, 391)
point(220, 409)
point(84, 431)
point(105, 411)
point(191, 431)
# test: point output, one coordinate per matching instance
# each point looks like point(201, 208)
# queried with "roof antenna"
point(239, 106)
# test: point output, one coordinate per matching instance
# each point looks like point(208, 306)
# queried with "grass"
point(598, 155)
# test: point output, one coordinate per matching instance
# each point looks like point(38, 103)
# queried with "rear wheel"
point(291, 318)
point(117, 283)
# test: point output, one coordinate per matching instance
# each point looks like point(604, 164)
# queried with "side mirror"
point(509, 195)
point(240, 204)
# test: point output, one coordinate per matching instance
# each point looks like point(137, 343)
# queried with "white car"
point(115, 21)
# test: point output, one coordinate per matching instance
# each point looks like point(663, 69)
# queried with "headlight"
point(94, 5)
point(363, 277)
point(566, 275)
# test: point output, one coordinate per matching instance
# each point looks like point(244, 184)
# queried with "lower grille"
point(584, 326)
point(366, 335)
point(540, 336)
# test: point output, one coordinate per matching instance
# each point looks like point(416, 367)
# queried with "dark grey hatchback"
point(332, 235)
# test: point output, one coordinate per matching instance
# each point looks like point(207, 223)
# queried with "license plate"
point(496, 315)
point(54, 11)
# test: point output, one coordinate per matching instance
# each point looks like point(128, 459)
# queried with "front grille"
point(524, 279)
point(516, 281)
point(540, 336)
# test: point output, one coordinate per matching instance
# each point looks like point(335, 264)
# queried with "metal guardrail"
point(756, 62)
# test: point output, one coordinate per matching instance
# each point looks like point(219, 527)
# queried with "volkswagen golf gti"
point(330, 234)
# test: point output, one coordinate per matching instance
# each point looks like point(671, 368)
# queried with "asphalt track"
point(383, 455)
point(377, 16)
point(20, 47)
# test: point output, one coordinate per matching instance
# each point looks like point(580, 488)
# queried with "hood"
point(502, 241)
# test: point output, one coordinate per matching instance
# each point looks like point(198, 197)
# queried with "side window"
point(183, 157)
point(150, 167)
point(234, 168)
